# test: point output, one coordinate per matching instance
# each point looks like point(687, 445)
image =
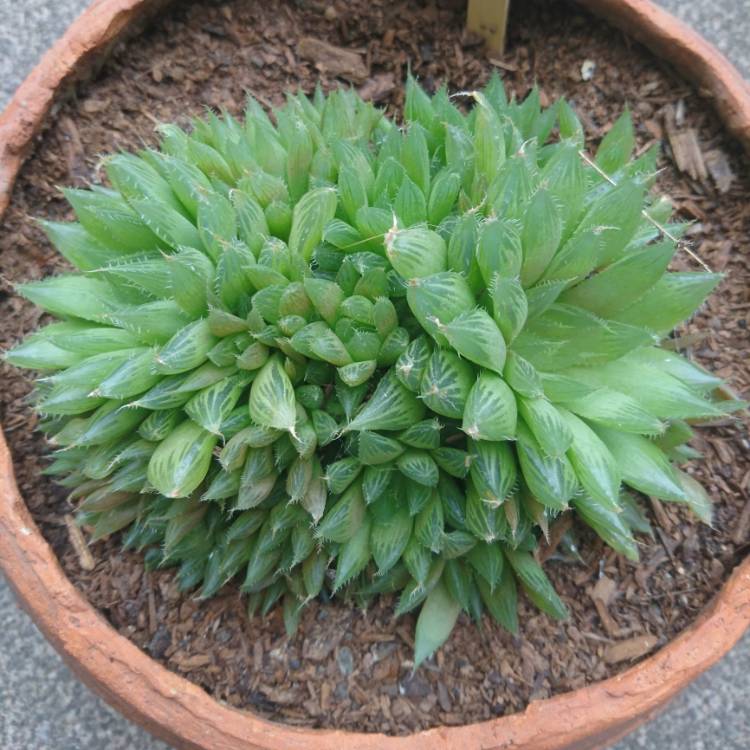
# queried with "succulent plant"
point(325, 352)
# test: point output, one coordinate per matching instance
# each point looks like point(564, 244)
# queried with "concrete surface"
point(725, 23)
point(44, 707)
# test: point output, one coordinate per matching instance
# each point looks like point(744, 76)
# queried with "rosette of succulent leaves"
point(326, 354)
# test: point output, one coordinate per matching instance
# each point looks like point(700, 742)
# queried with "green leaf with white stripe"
point(510, 307)
point(546, 424)
point(416, 252)
point(487, 561)
point(475, 336)
point(439, 298)
point(522, 376)
point(356, 373)
point(411, 365)
point(596, 467)
point(608, 524)
point(487, 522)
point(536, 584)
point(376, 449)
point(389, 536)
point(375, 482)
point(499, 252)
point(418, 466)
point(493, 471)
point(542, 231)
point(391, 407)
point(186, 350)
point(446, 383)
point(211, 406)
point(180, 463)
point(272, 402)
point(311, 214)
point(552, 481)
point(135, 376)
point(353, 556)
point(490, 412)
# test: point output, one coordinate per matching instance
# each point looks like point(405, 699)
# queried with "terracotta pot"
point(183, 714)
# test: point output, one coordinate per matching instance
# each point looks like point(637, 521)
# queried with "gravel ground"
point(44, 707)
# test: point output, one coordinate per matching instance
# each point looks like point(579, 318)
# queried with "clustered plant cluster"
point(328, 354)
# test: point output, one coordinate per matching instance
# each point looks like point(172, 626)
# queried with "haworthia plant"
point(320, 351)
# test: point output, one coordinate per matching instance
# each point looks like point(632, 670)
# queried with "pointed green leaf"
point(616, 410)
point(443, 195)
point(344, 519)
point(180, 463)
point(187, 349)
point(389, 537)
point(546, 424)
point(435, 623)
point(596, 467)
point(493, 471)
point(619, 285)
point(375, 482)
point(502, 600)
point(357, 373)
point(416, 252)
point(272, 402)
point(133, 377)
point(490, 412)
point(536, 584)
point(675, 297)
point(617, 145)
point(608, 524)
point(446, 384)
point(552, 481)
point(411, 365)
point(499, 251)
point(71, 296)
point(476, 336)
point(353, 556)
point(391, 407)
point(616, 216)
point(509, 305)
point(211, 406)
point(419, 467)
point(340, 474)
point(487, 522)
point(410, 205)
point(376, 449)
point(696, 496)
point(439, 298)
point(522, 376)
point(542, 231)
point(314, 210)
point(424, 434)
point(643, 465)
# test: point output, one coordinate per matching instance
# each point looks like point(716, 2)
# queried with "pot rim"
point(184, 714)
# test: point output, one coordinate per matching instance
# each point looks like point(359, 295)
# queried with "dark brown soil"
point(347, 668)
